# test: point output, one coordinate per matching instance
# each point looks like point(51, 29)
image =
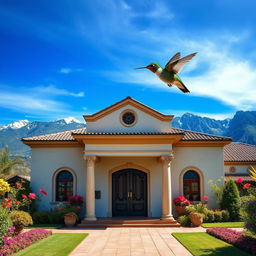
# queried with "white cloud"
point(70, 70)
point(52, 90)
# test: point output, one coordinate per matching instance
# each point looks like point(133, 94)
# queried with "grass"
point(45, 226)
point(55, 245)
point(223, 224)
point(202, 244)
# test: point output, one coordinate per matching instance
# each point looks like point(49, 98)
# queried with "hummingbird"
point(168, 74)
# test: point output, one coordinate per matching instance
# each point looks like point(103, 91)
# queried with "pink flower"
point(32, 195)
point(24, 196)
point(240, 180)
point(43, 192)
point(206, 198)
point(247, 185)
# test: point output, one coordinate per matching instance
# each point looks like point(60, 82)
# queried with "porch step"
point(139, 225)
point(116, 222)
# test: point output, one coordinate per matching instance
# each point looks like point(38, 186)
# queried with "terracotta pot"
point(70, 220)
point(18, 229)
point(196, 219)
point(180, 210)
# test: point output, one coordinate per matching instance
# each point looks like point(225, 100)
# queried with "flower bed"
point(238, 239)
point(18, 242)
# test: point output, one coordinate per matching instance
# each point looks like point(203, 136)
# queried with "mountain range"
point(241, 128)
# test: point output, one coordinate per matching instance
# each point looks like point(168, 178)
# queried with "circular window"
point(128, 118)
point(232, 169)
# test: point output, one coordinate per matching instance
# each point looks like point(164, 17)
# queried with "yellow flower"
point(4, 187)
point(253, 172)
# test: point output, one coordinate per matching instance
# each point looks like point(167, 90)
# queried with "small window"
point(232, 169)
point(191, 185)
point(64, 186)
point(128, 118)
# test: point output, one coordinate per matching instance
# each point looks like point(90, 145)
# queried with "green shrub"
point(21, 219)
point(217, 216)
point(248, 211)
point(225, 215)
point(184, 221)
point(209, 216)
point(5, 222)
point(231, 200)
point(42, 217)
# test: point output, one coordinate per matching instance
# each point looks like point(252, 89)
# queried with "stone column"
point(90, 188)
point(166, 187)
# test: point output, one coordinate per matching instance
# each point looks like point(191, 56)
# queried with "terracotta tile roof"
point(199, 136)
point(67, 135)
point(59, 136)
point(239, 152)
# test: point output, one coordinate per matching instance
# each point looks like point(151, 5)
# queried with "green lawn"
point(55, 245)
point(224, 224)
point(202, 244)
point(45, 226)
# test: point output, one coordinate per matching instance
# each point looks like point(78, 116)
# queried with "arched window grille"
point(64, 185)
point(191, 185)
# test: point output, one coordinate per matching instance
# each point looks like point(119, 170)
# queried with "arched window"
point(191, 185)
point(64, 185)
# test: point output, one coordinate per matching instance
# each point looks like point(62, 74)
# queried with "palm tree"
point(9, 165)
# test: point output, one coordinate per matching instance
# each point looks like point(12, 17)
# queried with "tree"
point(10, 166)
point(231, 200)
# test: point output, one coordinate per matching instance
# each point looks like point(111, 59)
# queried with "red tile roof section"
point(239, 152)
point(67, 135)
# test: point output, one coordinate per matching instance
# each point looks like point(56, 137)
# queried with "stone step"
point(116, 225)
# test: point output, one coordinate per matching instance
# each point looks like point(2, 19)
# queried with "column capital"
point(90, 159)
point(167, 158)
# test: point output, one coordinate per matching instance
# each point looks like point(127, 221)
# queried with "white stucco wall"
point(45, 161)
point(145, 123)
point(240, 169)
point(208, 160)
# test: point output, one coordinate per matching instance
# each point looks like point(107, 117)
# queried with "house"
point(128, 161)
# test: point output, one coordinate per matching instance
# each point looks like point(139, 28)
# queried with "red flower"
point(59, 209)
point(9, 205)
point(32, 195)
point(247, 185)
point(17, 202)
point(18, 185)
point(43, 192)
point(240, 180)
point(206, 198)
point(24, 196)
point(78, 207)
point(181, 201)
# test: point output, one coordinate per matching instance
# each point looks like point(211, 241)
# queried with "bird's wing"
point(181, 86)
point(177, 65)
point(174, 58)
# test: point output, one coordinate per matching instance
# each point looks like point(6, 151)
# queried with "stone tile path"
point(130, 242)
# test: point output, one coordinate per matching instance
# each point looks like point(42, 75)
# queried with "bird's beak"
point(141, 68)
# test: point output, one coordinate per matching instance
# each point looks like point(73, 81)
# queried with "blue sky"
point(68, 58)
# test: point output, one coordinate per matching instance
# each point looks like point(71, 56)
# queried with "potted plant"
point(20, 219)
point(196, 218)
point(180, 203)
point(70, 219)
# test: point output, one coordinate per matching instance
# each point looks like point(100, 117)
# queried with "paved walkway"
point(130, 242)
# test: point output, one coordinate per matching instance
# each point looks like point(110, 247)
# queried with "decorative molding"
point(90, 160)
point(126, 111)
point(166, 159)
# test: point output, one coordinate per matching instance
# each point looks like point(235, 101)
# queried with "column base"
point(90, 218)
point(170, 217)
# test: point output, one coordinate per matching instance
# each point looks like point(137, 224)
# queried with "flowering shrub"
point(4, 187)
point(181, 201)
point(21, 219)
point(75, 200)
point(21, 241)
point(5, 222)
point(239, 180)
point(235, 238)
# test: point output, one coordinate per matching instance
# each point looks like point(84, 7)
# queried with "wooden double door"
point(129, 193)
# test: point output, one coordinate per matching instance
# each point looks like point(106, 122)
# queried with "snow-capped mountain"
point(15, 125)
point(11, 134)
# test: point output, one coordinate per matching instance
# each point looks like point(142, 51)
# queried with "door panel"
point(129, 193)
